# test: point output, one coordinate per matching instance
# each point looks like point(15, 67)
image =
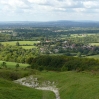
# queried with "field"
point(81, 35)
point(71, 85)
point(23, 44)
point(94, 44)
point(74, 85)
point(20, 42)
point(28, 47)
point(10, 90)
point(13, 64)
point(93, 56)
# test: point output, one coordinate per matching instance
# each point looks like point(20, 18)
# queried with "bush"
point(63, 63)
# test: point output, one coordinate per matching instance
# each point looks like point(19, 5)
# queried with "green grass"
point(13, 64)
point(93, 56)
point(94, 44)
point(20, 42)
point(28, 47)
point(10, 90)
point(71, 85)
point(74, 85)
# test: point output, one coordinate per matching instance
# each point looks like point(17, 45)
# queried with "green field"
point(23, 44)
point(93, 56)
point(20, 42)
point(13, 64)
point(28, 47)
point(94, 44)
point(74, 85)
point(71, 85)
point(10, 90)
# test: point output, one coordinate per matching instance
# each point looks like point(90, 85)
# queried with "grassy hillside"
point(74, 85)
point(10, 90)
point(71, 85)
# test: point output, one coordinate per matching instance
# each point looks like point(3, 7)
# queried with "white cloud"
point(79, 10)
point(37, 1)
point(91, 4)
point(43, 8)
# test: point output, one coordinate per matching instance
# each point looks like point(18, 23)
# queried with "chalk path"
point(34, 83)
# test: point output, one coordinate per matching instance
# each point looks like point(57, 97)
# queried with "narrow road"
point(33, 82)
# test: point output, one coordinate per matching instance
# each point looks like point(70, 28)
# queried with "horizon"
point(51, 21)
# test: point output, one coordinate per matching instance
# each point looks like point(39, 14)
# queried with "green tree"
point(17, 66)
point(17, 44)
point(4, 65)
point(79, 54)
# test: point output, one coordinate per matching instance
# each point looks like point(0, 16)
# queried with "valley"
point(56, 60)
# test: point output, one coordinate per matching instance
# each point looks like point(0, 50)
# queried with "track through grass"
point(74, 85)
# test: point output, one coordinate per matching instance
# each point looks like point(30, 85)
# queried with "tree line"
point(62, 63)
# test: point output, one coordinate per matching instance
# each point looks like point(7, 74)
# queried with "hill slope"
point(74, 85)
point(10, 90)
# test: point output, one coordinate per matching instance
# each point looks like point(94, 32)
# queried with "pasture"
point(74, 85)
point(93, 56)
point(10, 90)
point(20, 42)
point(23, 44)
point(94, 44)
point(28, 47)
point(13, 64)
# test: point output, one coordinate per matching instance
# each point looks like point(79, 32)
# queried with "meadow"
point(13, 64)
point(74, 85)
point(20, 42)
point(23, 44)
point(10, 90)
point(71, 85)
point(94, 44)
point(28, 47)
point(93, 56)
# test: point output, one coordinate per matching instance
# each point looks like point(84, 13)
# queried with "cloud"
point(48, 7)
point(91, 4)
point(37, 1)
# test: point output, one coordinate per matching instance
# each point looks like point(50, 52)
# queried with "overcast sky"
point(49, 10)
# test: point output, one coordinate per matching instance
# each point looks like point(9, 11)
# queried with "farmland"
point(23, 44)
point(93, 56)
point(13, 64)
point(67, 56)
point(94, 44)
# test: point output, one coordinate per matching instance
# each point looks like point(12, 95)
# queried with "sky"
point(49, 10)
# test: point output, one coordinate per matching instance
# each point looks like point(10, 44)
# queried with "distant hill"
point(63, 23)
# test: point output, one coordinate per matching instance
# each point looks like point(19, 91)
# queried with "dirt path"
point(34, 83)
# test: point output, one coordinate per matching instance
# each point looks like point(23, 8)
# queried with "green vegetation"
point(63, 63)
point(23, 44)
point(71, 85)
point(74, 85)
point(93, 56)
point(10, 90)
point(16, 53)
point(94, 44)
point(20, 42)
point(47, 49)
point(28, 47)
point(53, 40)
point(13, 64)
